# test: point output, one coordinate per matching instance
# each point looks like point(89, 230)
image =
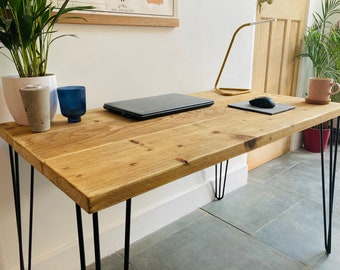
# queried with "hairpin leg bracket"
point(221, 171)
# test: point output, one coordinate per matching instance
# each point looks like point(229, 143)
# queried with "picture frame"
point(124, 12)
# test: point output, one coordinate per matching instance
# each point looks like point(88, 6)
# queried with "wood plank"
point(276, 65)
point(106, 159)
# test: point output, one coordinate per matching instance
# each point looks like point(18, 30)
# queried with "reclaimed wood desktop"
point(106, 159)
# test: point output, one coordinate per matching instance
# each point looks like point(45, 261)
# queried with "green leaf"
point(26, 29)
point(321, 41)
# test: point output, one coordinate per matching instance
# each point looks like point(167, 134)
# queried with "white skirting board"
point(150, 212)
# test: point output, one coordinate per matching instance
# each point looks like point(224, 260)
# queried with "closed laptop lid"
point(150, 107)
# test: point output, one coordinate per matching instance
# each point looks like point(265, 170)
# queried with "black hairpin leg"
point(16, 192)
point(333, 150)
point(127, 234)
point(96, 241)
point(80, 238)
point(30, 236)
point(96, 237)
point(14, 160)
point(220, 179)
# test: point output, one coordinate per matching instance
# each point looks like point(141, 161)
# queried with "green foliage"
point(322, 41)
point(26, 29)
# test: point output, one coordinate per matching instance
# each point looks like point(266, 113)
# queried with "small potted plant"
point(321, 47)
point(27, 32)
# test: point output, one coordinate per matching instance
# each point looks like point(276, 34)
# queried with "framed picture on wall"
point(125, 12)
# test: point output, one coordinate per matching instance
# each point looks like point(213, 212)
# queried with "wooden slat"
point(106, 159)
point(276, 62)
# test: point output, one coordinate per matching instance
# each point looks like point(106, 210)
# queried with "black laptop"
point(155, 106)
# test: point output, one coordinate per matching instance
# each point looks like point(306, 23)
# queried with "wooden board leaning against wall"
point(275, 66)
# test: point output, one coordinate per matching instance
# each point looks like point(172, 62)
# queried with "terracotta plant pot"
point(320, 90)
point(311, 139)
point(11, 86)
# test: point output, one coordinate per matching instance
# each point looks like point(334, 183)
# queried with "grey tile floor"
point(274, 222)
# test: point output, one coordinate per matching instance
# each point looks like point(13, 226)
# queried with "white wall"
point(118, 62)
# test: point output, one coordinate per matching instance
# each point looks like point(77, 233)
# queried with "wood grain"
point(106, 159)
point(106, 19)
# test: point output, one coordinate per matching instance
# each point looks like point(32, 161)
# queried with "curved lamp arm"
point(235, 91)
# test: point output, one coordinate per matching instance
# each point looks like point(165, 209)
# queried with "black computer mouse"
point(262, 102)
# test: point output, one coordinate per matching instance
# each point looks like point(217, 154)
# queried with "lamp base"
point(231, 91)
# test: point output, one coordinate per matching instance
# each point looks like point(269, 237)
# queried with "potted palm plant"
point(27, 32)
point(321, 46)
point(321, 39)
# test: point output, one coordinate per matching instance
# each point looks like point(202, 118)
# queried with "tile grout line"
point(270, 178)
point(226, 222)
point(281, 214)
point(256, 239)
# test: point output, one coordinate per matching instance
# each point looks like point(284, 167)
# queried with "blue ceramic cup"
point(72, 101)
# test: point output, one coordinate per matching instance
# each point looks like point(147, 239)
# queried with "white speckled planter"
point(11, 86)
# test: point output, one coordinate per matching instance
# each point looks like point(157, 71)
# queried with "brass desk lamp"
point(235, 91)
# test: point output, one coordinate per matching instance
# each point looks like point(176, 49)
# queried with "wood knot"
point(250, 145)
point(185, 162)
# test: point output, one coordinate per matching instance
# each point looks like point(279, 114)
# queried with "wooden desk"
point(106, 159)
